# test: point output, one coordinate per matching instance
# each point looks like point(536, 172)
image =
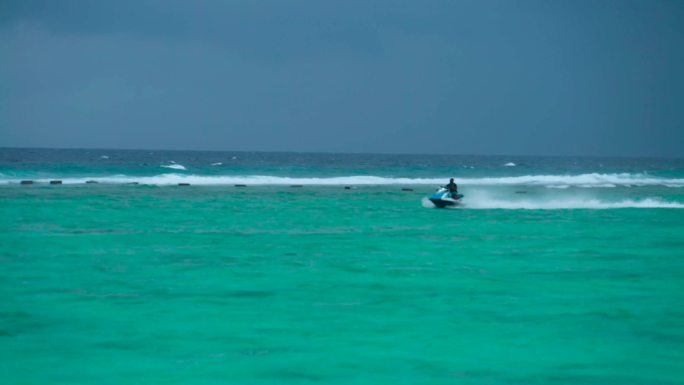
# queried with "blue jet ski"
point(444, 198)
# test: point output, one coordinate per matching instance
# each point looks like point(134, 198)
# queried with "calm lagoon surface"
point(553, 271)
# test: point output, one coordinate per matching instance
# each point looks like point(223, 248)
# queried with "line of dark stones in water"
point(59, 182)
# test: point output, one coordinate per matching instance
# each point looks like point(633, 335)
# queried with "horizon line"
point(352, 152)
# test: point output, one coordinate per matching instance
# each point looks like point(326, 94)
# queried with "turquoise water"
point(553, 277)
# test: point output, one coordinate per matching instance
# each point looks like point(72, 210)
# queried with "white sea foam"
point(425, 202)
point(551, 181)
point(581, 180)
point(510, 164)
point(598, 185)
point(104, 157)
point(174, 166)
point(217, 164)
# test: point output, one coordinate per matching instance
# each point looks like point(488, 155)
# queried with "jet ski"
point(444, 198)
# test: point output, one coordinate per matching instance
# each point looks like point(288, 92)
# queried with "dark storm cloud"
point(507, 77)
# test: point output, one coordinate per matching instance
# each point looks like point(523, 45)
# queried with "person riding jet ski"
point(452, 187)
point(447, 195)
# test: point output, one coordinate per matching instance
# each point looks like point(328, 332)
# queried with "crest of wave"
point(552, 181)
point(581, 180)
point(174, 166)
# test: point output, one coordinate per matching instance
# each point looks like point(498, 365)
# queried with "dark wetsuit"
point(452, 187)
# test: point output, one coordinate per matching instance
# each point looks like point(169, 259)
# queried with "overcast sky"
point(463, 77)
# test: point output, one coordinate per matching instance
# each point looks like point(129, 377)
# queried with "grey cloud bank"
point(477, 77)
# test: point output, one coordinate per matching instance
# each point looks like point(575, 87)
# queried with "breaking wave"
point(174, 166)
point(581, 180)
point(549, 181)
